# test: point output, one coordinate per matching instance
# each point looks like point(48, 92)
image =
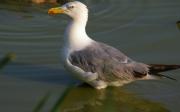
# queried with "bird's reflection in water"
point(87, 99)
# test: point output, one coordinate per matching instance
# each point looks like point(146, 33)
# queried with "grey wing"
point(108, 62)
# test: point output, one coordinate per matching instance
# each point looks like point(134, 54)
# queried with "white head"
point(76, 10)
point(75, 33)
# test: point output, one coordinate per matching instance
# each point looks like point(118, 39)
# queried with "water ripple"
point(35, 30)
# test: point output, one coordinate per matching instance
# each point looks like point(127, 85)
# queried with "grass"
point(41, 103)
point(6, 59)
point(178, 24)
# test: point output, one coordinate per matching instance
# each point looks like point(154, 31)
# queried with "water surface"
point(144, 30)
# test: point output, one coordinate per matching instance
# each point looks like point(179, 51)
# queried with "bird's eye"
point(70, 7)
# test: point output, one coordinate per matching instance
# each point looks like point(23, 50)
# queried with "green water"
point(143, 29)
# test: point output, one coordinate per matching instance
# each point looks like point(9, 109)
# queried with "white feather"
point(75, 34)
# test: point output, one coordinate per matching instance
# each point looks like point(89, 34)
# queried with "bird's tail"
point(156, 69)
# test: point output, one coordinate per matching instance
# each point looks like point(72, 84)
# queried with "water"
point(144, 30)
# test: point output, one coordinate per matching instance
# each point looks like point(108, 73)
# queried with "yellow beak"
point(54, 11)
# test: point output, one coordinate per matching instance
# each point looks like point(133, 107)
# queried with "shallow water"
point(144, 30)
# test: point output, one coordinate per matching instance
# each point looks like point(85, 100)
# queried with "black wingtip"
point(157, 68)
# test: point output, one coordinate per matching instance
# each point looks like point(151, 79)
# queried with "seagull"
point(97, 63)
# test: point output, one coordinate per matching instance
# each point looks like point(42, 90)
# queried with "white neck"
point(75, 35)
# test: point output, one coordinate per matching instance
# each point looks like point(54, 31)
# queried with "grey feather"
point(108, 62)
